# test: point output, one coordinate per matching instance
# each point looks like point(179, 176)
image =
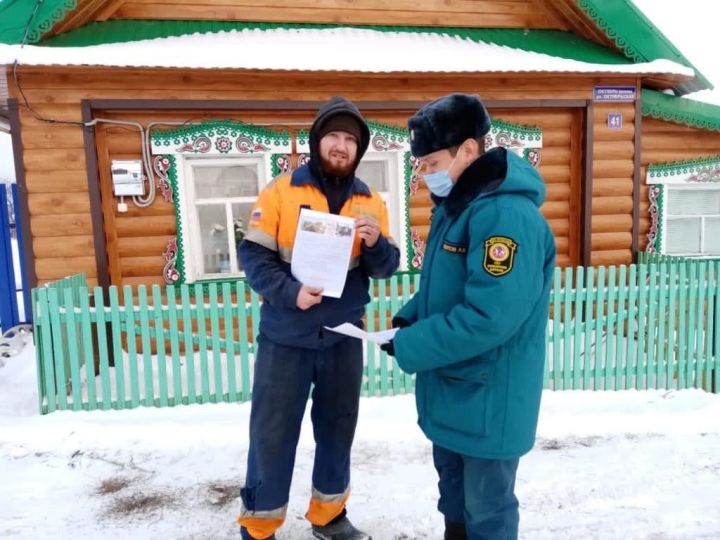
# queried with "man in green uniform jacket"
point(475, 331)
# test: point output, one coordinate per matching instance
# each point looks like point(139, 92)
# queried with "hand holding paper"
point(322, 249)
point(351, 330)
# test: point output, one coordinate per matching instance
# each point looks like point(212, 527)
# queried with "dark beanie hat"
point(447, 122)
point(341, 122)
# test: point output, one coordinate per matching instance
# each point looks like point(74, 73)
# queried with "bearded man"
point(294, 350)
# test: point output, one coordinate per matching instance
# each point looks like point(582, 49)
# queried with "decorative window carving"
point(213, 172)
point(685, 208)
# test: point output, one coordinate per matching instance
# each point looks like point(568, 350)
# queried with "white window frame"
point(396, 181)
point(668, 217)
point(193, 249)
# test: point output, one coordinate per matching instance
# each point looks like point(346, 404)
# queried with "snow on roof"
point(335, 49)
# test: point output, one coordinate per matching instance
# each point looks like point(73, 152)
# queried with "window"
point(380, 172)
point(220, 196)
point(692, 225)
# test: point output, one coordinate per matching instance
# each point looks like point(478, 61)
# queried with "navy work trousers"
point(283, 378)
point(479, 493)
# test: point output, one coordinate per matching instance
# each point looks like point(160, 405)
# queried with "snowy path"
point(607, 465)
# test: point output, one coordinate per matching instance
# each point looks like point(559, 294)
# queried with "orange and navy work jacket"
point(267, 251)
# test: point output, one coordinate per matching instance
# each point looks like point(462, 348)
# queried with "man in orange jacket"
point(294, 349)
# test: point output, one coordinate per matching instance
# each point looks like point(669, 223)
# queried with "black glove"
point(399, 322)
point(388, 348)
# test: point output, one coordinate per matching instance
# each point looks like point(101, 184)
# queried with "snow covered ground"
point(607, 465)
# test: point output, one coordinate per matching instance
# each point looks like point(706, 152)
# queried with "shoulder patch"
point(255, 217)
point(499, 255)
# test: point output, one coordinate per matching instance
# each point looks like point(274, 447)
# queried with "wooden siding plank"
point(61, 225)
point(334, 15)
point(63, 246)
point(58, 203)
point(56, 181)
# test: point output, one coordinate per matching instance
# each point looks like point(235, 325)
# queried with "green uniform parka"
point(477, 330)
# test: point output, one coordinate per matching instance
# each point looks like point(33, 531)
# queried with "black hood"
point(336, 105)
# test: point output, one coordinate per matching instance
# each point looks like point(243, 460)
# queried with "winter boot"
point(455, 531)
point(244, 535)
point(339, 530)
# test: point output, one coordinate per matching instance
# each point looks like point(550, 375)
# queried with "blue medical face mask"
point(440, 183)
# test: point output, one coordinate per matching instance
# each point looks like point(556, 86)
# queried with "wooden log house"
point(210, 101)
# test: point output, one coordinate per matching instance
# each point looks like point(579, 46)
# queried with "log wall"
point(54, 155)
point(612, 189)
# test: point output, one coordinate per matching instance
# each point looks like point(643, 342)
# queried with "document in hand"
point(322, 249)
point(351, 330)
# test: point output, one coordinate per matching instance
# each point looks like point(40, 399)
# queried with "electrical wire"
point(141, 201)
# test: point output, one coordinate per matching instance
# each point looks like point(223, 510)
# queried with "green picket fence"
point(170, 345)
point(642, 326)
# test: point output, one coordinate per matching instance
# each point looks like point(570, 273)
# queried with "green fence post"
point(620, 336)
point(662, 328)
point(382, 325)
point(117, 348)
point(88, 349)
point(174, 336)
point(611, 346)
point(215, 333)
point(653, 327)
point(600, 324)
point(187, 320)
point(713, 371)
point(59, 344)
point(557, 328)
point(394, 307)
point(371, 348)
point(158, 319)
point(149, 398)
point(229, 329)
point(202, 342)
point(631, 353)
point(672, 359)
point(74, 351)
point(712, 301)
point(682, 316)
point(243, 338)
point(129, 310)
point(590, 303)
point(567, 330)
point(578, 363)
point(641, 317)
point(47, 350)
point(101, 329)
point(696, 329)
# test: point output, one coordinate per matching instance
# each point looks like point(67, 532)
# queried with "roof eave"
point(680, 110)
point(638, 38)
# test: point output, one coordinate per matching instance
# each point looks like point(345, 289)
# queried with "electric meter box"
point(127, 178)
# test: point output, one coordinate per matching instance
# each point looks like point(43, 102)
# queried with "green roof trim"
point(634, 34)
point(37, 17)
point(680, 110)
point(552, 42)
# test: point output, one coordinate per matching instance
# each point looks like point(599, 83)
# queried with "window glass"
point(212, 221)
point(682, 202)
point(241, 217)
point(374, 174)
point(683, 236)
point(221, 182)
point(712, 236)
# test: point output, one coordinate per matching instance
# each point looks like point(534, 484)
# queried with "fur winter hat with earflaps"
point(447, 122)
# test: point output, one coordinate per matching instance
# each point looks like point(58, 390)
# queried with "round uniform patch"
point(499, 252)
point(499, 255)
